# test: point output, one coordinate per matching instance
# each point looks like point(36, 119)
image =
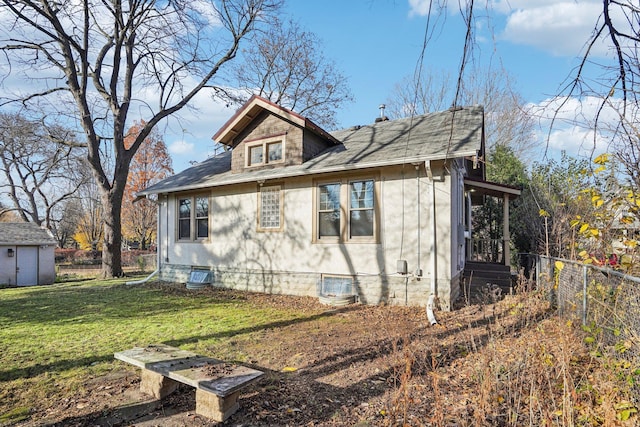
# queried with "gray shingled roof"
point(416, 139)
point(23, 234)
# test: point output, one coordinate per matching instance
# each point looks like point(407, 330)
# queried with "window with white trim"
point(193, 218)
point(270, 209)
point(356, 199)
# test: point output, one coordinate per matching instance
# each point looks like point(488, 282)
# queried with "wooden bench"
point(217, 384)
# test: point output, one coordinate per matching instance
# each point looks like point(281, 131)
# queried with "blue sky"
point(376, 43)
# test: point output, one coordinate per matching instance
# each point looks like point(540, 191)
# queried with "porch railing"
point(485, 250)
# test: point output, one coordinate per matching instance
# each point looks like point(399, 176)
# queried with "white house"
point(26, 255)
point(379, 211)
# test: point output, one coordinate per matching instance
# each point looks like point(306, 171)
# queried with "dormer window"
point(256, 155)
point(265, 151)
point(274, 151)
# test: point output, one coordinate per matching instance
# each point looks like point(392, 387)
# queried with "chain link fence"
point(604, 301)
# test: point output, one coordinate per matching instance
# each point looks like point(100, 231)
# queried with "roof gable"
point(252, 109)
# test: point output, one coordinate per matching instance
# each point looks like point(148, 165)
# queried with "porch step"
point(486, 282)
point(486, 266)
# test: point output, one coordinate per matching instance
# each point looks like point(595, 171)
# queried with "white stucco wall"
point(289, 261)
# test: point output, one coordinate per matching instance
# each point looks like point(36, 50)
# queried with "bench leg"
point(217, 408)
point(157, 385)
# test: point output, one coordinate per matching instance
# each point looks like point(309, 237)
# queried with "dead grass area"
point(506, 364)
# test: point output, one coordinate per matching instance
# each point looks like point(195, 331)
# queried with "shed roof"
point(448, 134)
point(24, 234)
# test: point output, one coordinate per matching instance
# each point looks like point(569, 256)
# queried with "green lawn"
point(54, 337)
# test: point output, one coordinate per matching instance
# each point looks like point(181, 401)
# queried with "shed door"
point(27, 265)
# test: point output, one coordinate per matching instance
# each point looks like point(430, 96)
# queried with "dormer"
point(264, 135)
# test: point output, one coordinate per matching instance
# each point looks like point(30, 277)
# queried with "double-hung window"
point(329, 210)
point(193, 218)
point(361, 218)
point(345, 211)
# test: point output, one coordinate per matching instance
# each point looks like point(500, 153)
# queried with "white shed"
point(26, 255)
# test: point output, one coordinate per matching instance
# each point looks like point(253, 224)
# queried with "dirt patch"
point(498, 364)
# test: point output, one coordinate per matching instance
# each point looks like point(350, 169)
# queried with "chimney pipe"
point(382, 117)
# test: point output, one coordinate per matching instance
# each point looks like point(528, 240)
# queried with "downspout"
point(418, 271)
point(146, 279)
point(430, 305)
point(433, 254)
point(158, 252)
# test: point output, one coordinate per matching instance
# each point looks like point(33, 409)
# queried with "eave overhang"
point(488, 188)
point(254, 107)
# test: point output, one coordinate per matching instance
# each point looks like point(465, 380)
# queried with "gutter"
point(300, 170)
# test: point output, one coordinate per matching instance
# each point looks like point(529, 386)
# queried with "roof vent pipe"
point(382, 117)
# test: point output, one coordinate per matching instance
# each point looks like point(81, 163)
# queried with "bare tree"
point(7, 214)
point(150, 165)
point(101, 61)
point(618, 29)
point(609, 75)
point(429, 93)
point(41, 168)
point(507, 121)
point(68, 216)
point(286, 66)
point(89, 232)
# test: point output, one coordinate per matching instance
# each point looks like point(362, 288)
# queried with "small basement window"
point(199, 278)
point(336, 286)
point(336, 290)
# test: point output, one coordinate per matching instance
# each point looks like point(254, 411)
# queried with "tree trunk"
point(112, 239)
point(112, 242)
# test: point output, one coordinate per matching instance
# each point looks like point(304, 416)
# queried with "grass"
point(54, 337)
point(511, 364)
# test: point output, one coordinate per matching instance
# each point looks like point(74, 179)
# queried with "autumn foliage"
point(150, 165)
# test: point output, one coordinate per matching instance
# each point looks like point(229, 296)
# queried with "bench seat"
point(217, 383)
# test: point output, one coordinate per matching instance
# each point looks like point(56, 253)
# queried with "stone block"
point(156, 385)
point(215, 407)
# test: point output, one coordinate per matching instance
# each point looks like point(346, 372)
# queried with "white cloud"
point(191, 129)
point(419, 7)
point(508, 6)
point(576, 141)
point(567, 124)
point(561, 28)
point(207, 11)
point(181, 147)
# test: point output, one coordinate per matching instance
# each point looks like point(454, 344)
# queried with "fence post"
point(584, 295)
